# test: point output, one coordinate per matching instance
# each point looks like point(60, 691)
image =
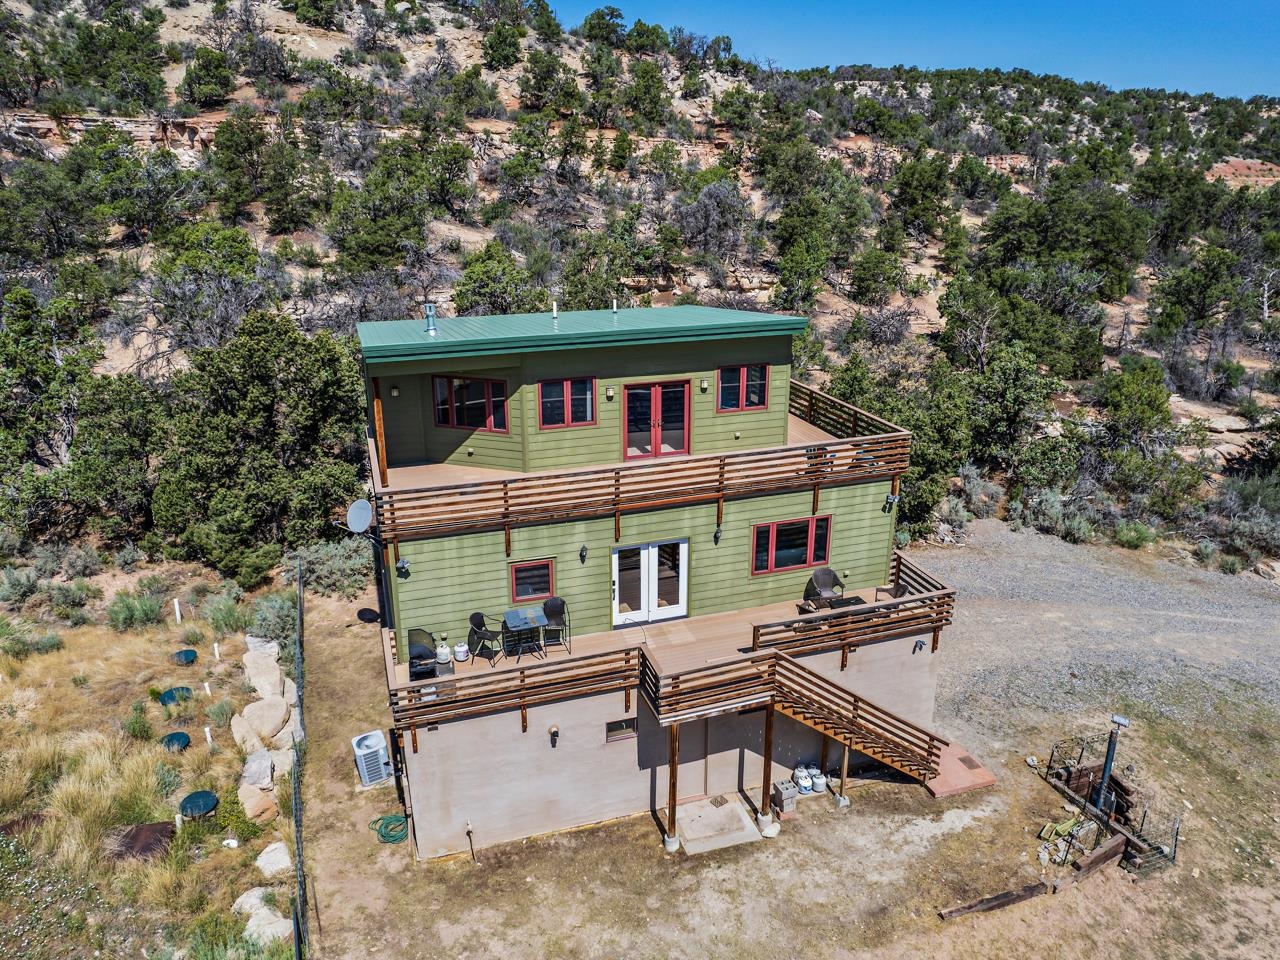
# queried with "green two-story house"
point(601, 528)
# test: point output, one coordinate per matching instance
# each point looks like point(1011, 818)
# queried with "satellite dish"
point(359, 516)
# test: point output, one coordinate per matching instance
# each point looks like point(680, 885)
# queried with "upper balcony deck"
point(829, 443)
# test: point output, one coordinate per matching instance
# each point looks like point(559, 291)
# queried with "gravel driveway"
point(1045, 628)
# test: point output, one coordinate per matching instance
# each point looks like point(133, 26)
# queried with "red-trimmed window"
point(567, 403)
point(743, 388)
point(532, 581)
point(790, 544)
point(468, 403)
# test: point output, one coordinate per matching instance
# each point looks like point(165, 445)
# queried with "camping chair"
point(557, 629)
point(825, 587)
point(483, 641)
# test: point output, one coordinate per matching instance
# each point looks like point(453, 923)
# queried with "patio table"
point(524, 626)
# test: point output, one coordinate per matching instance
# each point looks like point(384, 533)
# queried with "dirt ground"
point(1049, 640)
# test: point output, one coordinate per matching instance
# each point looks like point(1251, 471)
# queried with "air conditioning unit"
point(372, 762)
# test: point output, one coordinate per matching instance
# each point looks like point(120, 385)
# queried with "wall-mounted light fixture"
point(402, 567)
point(715, 537)
point(608, 392)
point(554, 733)
point(704, 384)
point(395, 391)
point(582, 554)
point(891, 499)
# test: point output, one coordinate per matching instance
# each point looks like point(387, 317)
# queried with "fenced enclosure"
point(301, 931)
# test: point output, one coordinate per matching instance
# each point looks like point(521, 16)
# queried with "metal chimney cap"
point(431, 319)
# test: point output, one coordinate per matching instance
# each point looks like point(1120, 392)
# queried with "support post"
point(766, 781)
point(379, 432)
point(673, 771)
point(842, 800)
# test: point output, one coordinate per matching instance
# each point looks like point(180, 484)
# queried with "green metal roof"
point(392, 340)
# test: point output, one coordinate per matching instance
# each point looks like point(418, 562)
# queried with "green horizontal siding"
point(452, 577)
point(412, 435)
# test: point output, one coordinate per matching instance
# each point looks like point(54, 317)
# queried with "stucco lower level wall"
point(507, 784)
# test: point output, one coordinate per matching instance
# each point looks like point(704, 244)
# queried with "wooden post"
point(768, 760)
point(379, 432)
point(822, 759)
point(673, 770)
point(844, 770)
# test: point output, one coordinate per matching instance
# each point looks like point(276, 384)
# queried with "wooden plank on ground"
point(996, 901)
point(1109, 850)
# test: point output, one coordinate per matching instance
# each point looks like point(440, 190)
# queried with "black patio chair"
point(557, 629)
point(824, 587)
point(483, 641)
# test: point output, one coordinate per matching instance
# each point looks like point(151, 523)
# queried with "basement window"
point(620, 729)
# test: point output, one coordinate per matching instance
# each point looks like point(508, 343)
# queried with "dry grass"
point(64, 753)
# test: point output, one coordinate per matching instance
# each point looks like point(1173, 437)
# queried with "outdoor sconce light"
point(704, 385)
point(608, 392)
point(582, 554)
point(402, 567)
point(554, 733)
point(395, 391)
point(715, 537)
point(891, 499)
point(919, 645)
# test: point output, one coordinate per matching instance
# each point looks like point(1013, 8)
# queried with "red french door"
point(657, 420)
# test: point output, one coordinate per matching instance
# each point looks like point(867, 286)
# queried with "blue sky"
point(1223, 46)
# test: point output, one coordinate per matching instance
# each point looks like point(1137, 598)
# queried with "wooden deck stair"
point(809, 698)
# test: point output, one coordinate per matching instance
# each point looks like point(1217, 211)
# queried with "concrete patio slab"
point(959, 772)
point(714, 823)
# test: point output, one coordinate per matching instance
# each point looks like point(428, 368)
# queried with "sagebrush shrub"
point(47, 558)
point(338, 567)
point(276, 617)
point(16, 585)
point(225, 614)
point(128, 557)
point(81, 562)
point(952, 512)
point(1133, 534)
point(128, 611)
point(981, 496)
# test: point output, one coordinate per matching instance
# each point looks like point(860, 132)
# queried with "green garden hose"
point(392, 828)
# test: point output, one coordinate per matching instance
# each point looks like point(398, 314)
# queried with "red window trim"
point(742, 388)
point(688, 420)
point(595, 406)
point(550, 564)
point(773, 538)
point(449, 378)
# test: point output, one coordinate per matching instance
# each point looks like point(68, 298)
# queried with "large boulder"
point(263, 673)
point(282, 763)
point(259, 770)
point(274, 860)
point(244, 735)
point(265, 923)
point(267, 717)
point(250, 901)
point(290, 732)
point(290, 692)
point(259, 805)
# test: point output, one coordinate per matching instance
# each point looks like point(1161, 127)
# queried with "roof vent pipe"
point(615, 304)
point(555, 311)
point(431, 319)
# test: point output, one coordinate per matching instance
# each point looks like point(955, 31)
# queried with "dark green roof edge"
point(735, 325)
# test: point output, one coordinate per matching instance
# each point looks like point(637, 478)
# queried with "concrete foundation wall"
point(509, 784)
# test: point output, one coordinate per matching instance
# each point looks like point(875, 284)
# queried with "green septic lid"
point(175, 742)
point(198, 804)
point(174, 695)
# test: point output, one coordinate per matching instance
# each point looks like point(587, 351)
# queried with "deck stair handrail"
point(773, 677)
point(604, 491)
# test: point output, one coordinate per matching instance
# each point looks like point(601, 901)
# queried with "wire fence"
point(301, 932)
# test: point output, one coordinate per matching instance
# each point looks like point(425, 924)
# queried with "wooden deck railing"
point(919, 604)
point(457, 698)
point(581, 494)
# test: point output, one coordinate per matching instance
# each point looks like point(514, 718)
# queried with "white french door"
point(650, 582)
